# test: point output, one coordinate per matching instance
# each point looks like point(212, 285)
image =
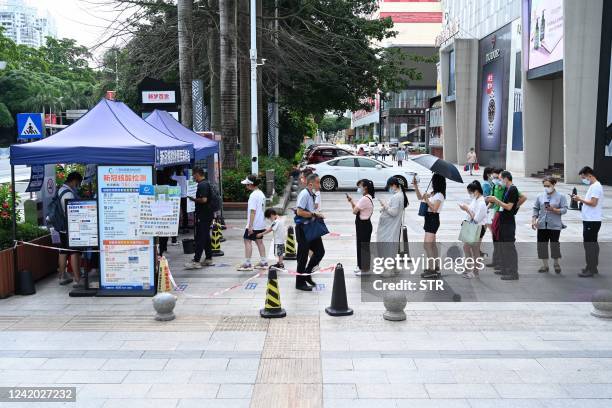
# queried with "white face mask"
point(472, 196)
point(549, 190)
point(360, 190)
point(586, 181)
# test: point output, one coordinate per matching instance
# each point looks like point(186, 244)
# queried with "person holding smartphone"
point(548, 208)
point(363, 210)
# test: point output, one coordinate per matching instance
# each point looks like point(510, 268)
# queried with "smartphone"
point(346, 194)
point(546, 204)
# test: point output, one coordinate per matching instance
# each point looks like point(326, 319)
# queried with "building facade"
point(398, 115)
point(25, 24)
point(520, 82)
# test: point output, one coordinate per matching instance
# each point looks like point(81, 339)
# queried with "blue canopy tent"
point(166, 123)
point(110, 133)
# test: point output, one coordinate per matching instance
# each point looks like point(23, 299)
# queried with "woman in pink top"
point(363, 210)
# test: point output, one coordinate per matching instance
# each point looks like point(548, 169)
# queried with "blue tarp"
point(110, 133)
point(166, 123)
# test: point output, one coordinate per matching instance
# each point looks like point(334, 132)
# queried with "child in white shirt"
point(277, 227)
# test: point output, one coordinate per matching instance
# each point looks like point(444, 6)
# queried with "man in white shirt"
point(256, 224)
point(592, 214)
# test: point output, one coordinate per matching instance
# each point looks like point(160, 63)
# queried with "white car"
point(346, 171)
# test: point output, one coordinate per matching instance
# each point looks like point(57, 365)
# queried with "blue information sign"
point(29, 126)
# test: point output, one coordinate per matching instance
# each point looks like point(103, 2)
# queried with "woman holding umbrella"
point(434, 202)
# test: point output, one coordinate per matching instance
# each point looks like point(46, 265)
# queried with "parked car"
point(344, 172)
point(313, 146)
point(324, 153)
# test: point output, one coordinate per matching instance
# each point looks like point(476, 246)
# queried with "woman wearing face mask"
point(392, 213)
point(363, 210)
point(434, 202)
point(547, 211)
point(476, 212)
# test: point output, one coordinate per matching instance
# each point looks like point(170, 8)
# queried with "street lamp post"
point(253, 55)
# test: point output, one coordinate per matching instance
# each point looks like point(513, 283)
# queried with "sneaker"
point(208, 262)
point(510, 277)
point(468, 275)
point(245, 267)
point(357, 271)
point(543, 269)
point(64, 279)
point(261, 265)
point(193, 265)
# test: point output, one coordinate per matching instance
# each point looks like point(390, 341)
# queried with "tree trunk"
point(213, 61)
point(229, 125)
point(185, 18)
point(244, 68)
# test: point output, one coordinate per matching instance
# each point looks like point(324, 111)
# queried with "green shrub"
point(25, 232)
point(233, 191)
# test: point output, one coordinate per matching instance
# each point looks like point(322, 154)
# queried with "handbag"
point(423, 207)
point(476, 166)
point(314, 229)
point(470, 232)
point(466, 167)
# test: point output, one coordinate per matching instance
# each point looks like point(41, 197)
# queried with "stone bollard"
point(294, 195)
point(602, 304)
point(395, 302)
point(164, 303)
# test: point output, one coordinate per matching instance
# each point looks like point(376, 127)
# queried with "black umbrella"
point(444, 168)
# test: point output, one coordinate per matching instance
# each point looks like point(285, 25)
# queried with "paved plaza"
point(220, 353)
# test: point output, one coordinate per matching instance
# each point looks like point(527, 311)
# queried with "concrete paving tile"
point(172, 354)
point(214, 403)
point(504, 403)
point(432, 403)
point(232, 391)
point(134, 364)
point(94, 391)
point(224, 377)
point(355, 377)
point(287, 395)
point(92, 377)
point(144, 403)
point(576, 403)
point(183, 391)
point(589, 390)
point(531, 391)
point(486, 376)
point(197, 364)
point(461, 391)
point(359, 403)
point(421, 376)
point(383, 363)
point(158, 377)
point(332, 391)
point(243, 364)
point(393, 391)
point(73, 364)
point(7, 363)
point(292, 370)
point(337, 363)
point(30, 376)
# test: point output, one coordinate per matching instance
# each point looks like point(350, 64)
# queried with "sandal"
point(543, 269)
point(557, 269)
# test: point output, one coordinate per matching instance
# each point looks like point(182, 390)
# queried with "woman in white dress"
point(391, 219)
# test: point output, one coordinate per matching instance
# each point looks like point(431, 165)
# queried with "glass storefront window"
point(410, 98)
point(451, 73)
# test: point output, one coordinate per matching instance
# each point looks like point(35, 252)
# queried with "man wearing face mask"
point(305, 212)
point(592, 214)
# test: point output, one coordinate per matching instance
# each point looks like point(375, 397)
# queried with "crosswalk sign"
point(29, 126)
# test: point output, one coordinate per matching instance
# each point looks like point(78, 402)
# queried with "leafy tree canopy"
point(331, 123)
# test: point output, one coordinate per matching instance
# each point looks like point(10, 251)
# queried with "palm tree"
point(185, 19)
point(213, 49)
point(229, 128)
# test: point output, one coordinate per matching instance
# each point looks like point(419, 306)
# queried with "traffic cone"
point(272, 307)
point(404, 245)
point(339, 304)
point(215, 240)
point(290, 244)
point(222, 239)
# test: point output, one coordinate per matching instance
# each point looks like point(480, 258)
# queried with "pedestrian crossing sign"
point(29, 126)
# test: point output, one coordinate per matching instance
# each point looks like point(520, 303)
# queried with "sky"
point(83, 20)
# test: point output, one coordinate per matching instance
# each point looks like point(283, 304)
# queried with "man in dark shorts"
point(203, 220)
point(68, 191)
point(256, 224)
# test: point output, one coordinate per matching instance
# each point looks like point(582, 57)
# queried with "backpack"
point(56, 216)
point(215, 198)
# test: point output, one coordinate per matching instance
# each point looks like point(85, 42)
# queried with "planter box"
point(235, 210)
point(41, 262)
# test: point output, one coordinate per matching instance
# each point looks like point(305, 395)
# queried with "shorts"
point(432, 222)
point(279, 249)
point(64, 244)
point(253, 236)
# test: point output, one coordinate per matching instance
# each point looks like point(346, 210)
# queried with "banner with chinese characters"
point(127, 257)
point(159, 209)
point(192, 189)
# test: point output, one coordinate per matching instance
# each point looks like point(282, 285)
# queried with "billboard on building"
point(543, 20)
